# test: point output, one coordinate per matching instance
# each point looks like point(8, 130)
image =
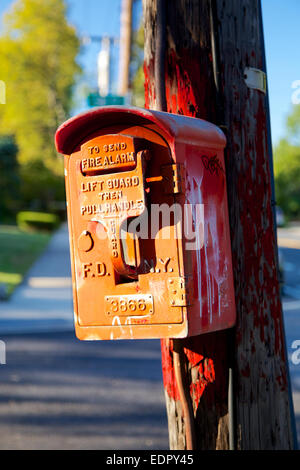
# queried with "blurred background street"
point(59, 393)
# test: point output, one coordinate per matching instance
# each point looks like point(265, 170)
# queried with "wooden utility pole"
point(125, 46)
point(207, 48)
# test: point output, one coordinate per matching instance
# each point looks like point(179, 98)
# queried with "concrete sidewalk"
point(289, 237)
point(43, 302)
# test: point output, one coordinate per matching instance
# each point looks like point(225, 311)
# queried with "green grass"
point(18, 250)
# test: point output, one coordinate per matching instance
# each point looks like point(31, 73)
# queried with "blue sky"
point(281, 30)
point(281, 27)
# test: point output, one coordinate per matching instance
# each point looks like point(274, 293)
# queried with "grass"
point(18, 250)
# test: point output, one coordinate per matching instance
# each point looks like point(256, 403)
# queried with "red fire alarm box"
point(148, 224)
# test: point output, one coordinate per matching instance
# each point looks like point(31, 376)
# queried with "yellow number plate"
point(129, 305)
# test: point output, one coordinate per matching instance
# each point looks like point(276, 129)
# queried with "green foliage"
point(30, 221)
point(38, 50)
point(287, 167)
point(37, 55)
point(9, 179)
point(42, 188)
point(293, 125)
point(287, 177)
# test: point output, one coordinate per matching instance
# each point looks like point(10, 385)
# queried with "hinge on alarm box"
point(180, 291)
point(174, 178)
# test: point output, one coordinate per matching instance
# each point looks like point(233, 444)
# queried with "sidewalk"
point(289, 237)
point(43, 302)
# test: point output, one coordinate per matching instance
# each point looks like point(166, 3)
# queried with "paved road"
point(291, 308)
point(292, 332)
point(289, 247)
point(59, 393)
point(291, 264)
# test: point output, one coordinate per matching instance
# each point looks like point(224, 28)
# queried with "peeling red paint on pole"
point(149, 84)
point(184, 102)
point(203, 368)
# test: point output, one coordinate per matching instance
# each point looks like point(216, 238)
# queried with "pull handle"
point(118, 245)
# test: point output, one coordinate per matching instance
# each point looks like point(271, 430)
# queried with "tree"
point(137, 71)
point(287, 167)
point(38, 50)
point(9, 178)
point(208, 46)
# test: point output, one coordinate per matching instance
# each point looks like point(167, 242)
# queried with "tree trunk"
point(209, 43)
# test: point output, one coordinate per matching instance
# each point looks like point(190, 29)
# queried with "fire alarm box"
point(148, 224)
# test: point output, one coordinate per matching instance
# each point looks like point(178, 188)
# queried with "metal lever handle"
point(117, 251)
point(114, 227)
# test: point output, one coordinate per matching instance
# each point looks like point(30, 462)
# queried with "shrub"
point(42, 189)
point(9, 179)
point(37, 221)
point(287, 178)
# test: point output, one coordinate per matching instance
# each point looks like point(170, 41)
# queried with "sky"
point(281, 26)
point(281, 32)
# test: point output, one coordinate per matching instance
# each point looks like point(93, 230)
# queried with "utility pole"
point(103, 60)
point(125, 46)
point(103, 67)
point(204, 58)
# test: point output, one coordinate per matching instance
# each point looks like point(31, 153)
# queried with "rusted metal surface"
point(165, 175)
point(198, 84)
